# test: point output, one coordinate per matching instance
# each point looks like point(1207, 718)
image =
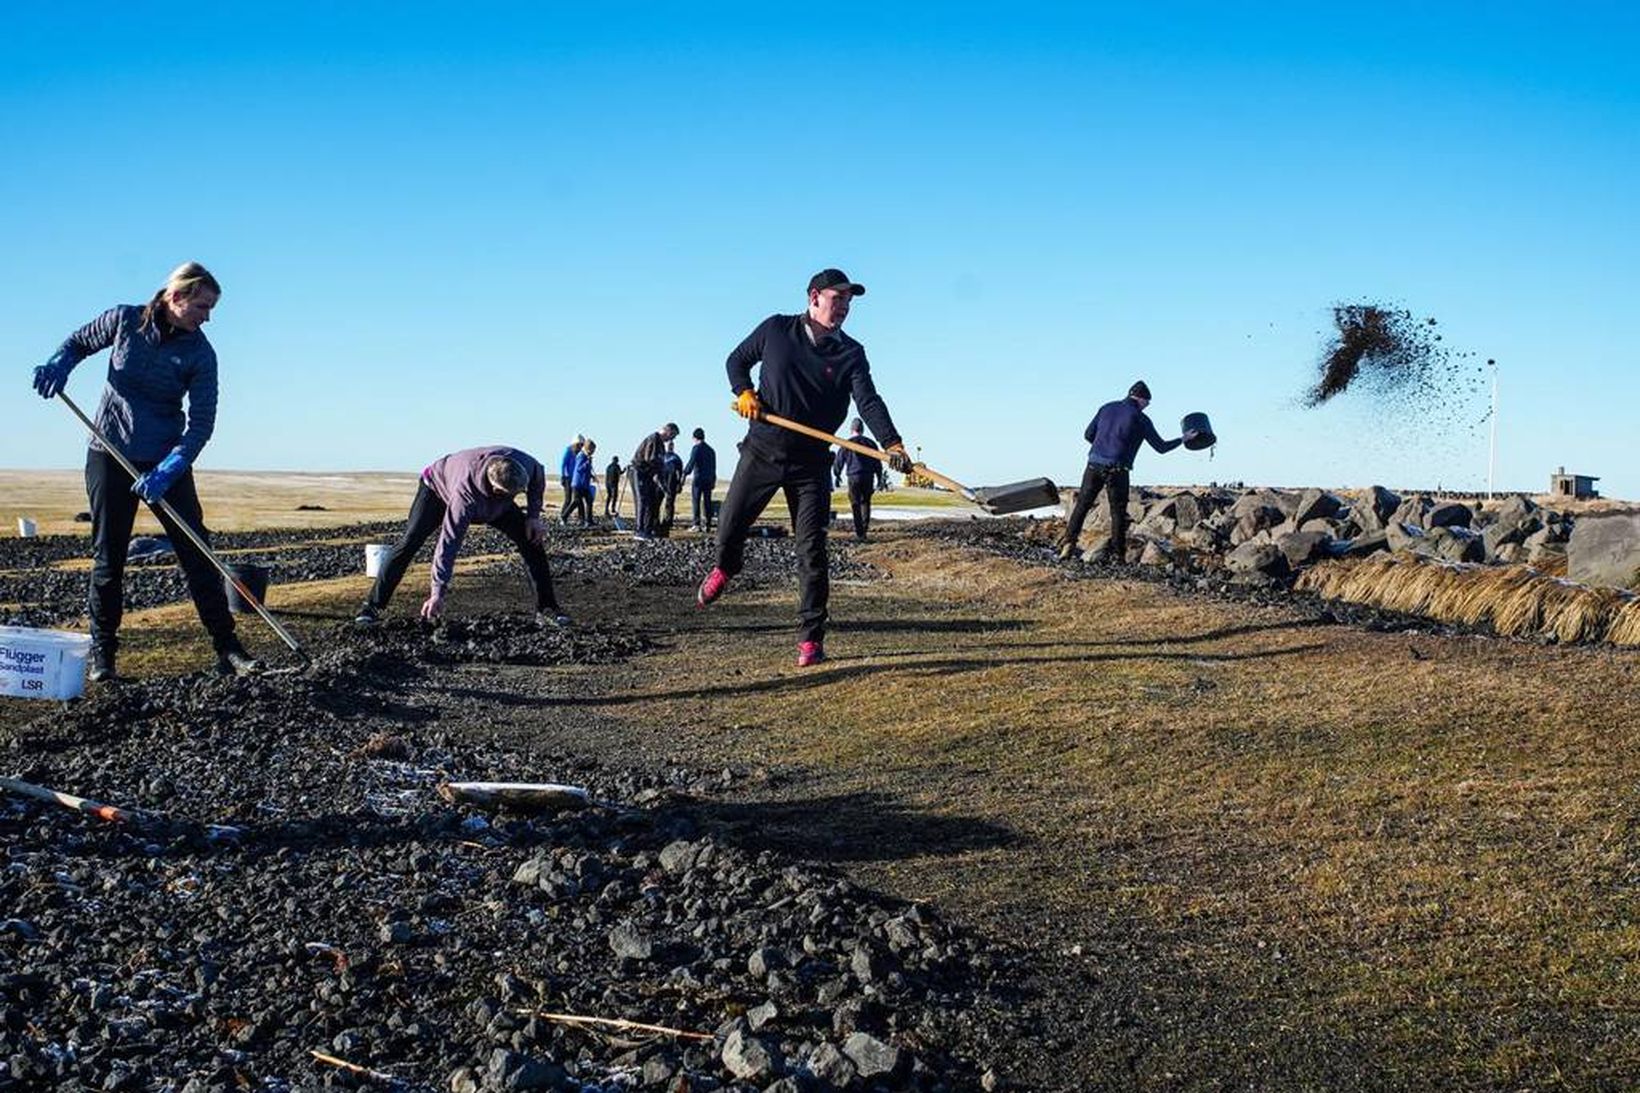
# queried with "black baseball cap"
point(835, 278)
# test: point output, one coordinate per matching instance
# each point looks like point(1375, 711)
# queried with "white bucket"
point(42, 663)
point(27, 528)
point(374, 555)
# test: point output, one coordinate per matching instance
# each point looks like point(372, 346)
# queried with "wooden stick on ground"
point(355, 1068)
point(615, 1022)
point(111, 813)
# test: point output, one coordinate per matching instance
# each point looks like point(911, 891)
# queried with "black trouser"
point(859, 502)
point(669, 507)
point(570, 501)
point(646, 495)
point(113, 511)
point(426, 515)
point(1114, 481)
point(612, 496)
point(700, 502)
point(807, 485)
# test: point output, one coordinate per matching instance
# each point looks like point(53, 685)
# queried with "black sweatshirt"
point(807, 383)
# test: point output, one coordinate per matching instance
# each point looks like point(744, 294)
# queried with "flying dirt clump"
point(1393, 356)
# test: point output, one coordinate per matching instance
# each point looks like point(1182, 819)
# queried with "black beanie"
point(1139, 390)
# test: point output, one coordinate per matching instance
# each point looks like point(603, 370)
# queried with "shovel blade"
point(1033, 493)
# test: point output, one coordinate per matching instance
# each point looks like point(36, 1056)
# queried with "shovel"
point(165, 506)
point(1033, 493)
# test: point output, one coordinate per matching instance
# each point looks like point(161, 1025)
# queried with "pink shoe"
point(809, 652)
point(712, 587)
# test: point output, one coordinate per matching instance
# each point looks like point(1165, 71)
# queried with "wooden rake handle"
point(862, 449)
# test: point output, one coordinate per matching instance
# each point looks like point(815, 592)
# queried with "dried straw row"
point(1517, 601)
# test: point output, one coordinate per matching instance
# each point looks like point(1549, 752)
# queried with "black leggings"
point(113, 511)
point(426, 516)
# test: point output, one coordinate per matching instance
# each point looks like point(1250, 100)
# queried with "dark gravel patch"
point(356, 914)
point(44, 596)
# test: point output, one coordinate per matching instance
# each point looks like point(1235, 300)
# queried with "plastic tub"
point(1203, 428)
point(42, 663)
point(27, 528)
point(374, 555)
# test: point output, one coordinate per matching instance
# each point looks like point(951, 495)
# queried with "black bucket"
point(254, 578)
point(1204, 437)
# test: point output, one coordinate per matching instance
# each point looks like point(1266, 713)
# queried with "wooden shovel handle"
point(874, 453)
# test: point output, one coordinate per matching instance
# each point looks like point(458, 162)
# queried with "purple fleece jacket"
point(458, 480)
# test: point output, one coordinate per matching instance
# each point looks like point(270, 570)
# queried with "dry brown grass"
point(1516, 601)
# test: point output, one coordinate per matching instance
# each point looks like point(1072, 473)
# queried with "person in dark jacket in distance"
point(671, 485)
point(580, 482)
point(473, 486)
point(861, 472)
point(1113, 436)
point(158, 358)
point(701, 470)
point(809, 371)
point(612, 486)
point(644, 471)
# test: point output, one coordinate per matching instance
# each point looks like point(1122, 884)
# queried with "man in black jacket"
point(701, 470)
point(810, 369)
point(644, 471)
point(861, 472)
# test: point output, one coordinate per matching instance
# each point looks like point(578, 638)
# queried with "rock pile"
point(1268, 535)
point(354, 914)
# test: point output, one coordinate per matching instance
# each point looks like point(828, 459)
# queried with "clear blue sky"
point(438, 229)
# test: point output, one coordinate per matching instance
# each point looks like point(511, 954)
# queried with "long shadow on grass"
point(838, 670)
point(851, 827)
point(1180, 639)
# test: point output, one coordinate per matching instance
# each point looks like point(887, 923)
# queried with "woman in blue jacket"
point(158, 358)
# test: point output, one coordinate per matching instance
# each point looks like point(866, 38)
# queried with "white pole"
point(1492, 455)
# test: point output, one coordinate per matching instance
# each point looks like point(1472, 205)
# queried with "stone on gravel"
point(631, 943)
point(830, 1067)
point(1303, 547)
point(748, 1057)
point(872, 1057)
point(510, 1070)
point(1264, 560)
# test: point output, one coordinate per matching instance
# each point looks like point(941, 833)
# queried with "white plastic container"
point(27, 528)
point(374, 555)
point(42, 663)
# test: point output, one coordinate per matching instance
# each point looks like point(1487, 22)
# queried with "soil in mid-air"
point(1394, 357)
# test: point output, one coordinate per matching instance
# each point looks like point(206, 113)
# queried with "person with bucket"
point(1114, 436)
point(809, 371)
point(159, 358)
point(701, 470)
point(862, 472)
point(475, 486)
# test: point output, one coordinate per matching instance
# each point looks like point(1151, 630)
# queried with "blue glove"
point(50, 379)
point(152, 486)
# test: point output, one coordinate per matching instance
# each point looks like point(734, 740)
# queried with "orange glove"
point(748, 406)
point(898, 458)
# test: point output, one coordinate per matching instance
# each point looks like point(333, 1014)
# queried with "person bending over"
point(475, 486)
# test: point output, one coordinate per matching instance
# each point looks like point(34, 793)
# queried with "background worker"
point(566, 475)
point(671, 486)
point(159, 358)
point(644, 472)
point(701, 470)
point(861, 472)
point(612, 486)
point(580, 482)
point(475, 486)
point(810, 368)
point(1113, 436)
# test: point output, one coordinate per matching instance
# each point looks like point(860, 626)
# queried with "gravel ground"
point(350, 911)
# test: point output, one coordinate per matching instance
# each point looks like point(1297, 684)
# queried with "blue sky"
point(438, 229)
